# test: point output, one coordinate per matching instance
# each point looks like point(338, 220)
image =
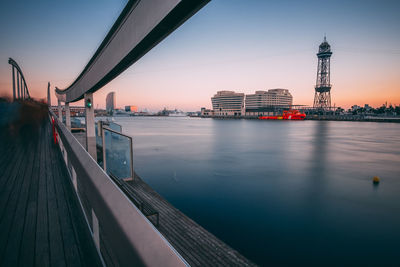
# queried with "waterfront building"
point(131, 109)
point(206, 112)
point(228, 103)
point(368, 108)
point(355, 107)
point(264, 103)
point(272, 97)
point(110, 102)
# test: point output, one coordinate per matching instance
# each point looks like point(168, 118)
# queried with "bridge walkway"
point(40, 219)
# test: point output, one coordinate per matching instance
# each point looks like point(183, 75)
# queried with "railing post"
point(74, 179)
point(18, 84)
point(104, 147)
point(96, 230)
point(60, 111)
point(48, 95)
point(13, 78)
point(67, 116)
point(22, 88)
point(90, 131)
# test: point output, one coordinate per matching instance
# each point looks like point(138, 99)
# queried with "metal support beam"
point(90, 131)
point(21, 92)
point(13, 78)
point(60, 111)
point(67, 116)
point(141, 26)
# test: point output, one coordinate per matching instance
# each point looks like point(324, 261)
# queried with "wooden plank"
point(16, 232)
point(209, 245)
point(176, 231)
point(106, 251)
point(40, 218)
point(84, 243)
point(41, 248)
point(87, 249)
point(196, 245)
point(71, 252)
point(6, 155)
point(27, 249)
point(8, 201)
point(180, 236)
point(10, 161)
point(29, 229)
point(55, 239)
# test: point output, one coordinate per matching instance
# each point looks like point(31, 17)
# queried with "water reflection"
point(319, 155)
point(318, 164)
point(282, 193)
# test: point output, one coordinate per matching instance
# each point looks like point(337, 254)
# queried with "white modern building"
point(110, 102)
point(272, 97)
point(228, 103)
point(231, 104)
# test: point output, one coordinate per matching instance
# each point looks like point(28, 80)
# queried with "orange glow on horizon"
point(150, 96)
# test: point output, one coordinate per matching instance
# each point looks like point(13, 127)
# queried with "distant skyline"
point(235, 45)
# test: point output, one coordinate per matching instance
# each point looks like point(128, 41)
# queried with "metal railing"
point(20, 89)
point(122, 234)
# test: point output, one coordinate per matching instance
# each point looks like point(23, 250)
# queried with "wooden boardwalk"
point(195, 244)
point(40, 219)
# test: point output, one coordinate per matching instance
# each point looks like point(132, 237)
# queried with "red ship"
point(287, 115)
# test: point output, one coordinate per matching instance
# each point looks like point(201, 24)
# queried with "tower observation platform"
point(322, 98)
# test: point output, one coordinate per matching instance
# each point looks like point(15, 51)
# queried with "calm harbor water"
point(280, 192)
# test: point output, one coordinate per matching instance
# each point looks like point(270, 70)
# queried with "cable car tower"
point(322, 98)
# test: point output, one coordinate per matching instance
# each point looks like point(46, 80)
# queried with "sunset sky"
point(236, 45)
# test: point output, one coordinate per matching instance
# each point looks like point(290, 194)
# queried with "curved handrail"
point(15, 65)
point(140, 26)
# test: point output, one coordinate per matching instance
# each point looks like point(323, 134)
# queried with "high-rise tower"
point(322, 98)
point(110, 102)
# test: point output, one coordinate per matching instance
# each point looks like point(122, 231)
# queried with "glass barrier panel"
point(118, 154)
point(114, 126)
point(99, 144)
point(76, 123)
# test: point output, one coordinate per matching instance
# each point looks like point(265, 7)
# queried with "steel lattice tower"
point(322, 98)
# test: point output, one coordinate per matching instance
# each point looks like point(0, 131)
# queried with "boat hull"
point(287, 115)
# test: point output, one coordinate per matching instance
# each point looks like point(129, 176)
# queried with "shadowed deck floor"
point(40, 219)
